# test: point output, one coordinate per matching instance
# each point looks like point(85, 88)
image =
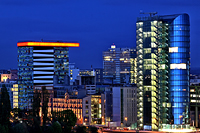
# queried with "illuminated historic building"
point(41, 64)
point(163, 64)
point(60, 104)
point(9, 76)
point(119, 65)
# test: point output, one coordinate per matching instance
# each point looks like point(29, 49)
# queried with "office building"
point(117, 64)
point(41, 64)
point(195, 105)
point(73, 73)
point(89, 83)
point(121, 106)
point(99, 75)
point(93, 110)
point(12, 89)
point(163, 64)
point(97, 72)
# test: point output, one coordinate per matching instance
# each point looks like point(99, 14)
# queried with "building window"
point(178, 66)
point(173, 49)
point(86, 102)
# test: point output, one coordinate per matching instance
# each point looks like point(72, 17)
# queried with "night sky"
point(95, 24)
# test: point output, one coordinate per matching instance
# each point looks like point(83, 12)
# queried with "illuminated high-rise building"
point(119, 65)
point(163, 64)
point(41, 64)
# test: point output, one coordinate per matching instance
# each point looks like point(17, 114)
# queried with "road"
point(133, 131)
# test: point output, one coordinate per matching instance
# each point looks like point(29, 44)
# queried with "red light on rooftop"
point(47, 44)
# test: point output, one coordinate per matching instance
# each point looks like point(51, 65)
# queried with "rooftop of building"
point(47, 44)
point(159, 17)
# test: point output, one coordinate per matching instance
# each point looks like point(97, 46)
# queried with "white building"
point(121, 105)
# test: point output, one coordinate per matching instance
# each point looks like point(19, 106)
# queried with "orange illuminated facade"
point(60, 104)
point(5, 77)
point(47, 44)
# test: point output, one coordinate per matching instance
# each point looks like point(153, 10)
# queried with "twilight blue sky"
point(95, 24)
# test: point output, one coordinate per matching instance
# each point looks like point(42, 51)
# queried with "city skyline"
point(94, 24)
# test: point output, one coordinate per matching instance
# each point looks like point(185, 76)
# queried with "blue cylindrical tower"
point(179, 59)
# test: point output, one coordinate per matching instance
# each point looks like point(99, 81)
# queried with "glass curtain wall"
point(179, 53)
point(25, 76)
point(61, 64)
point(163, 64)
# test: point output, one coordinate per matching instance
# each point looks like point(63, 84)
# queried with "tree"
point(3, 129)
point(33, 124)
point(45, 100)
point(17, 112)
point(50, 129)
point(57, 127)
point(36, 103)
point(67, 118)
point(93, 129)
point(5, 106)
point(81, 129)
point(20, 128)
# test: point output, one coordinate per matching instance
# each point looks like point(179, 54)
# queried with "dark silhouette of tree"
point(36, 103)
point(20, 128)
point(81, 129)
point(33, 125)
point(50, 129)
point(93, 129)
point(5, 107)
point(57, 127)
point(3, 129)
point(66, 118)
point(45, 100)
point(17, 112)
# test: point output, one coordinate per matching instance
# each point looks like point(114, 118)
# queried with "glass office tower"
point(41, 64)
point(119, 65)
point(163, 63)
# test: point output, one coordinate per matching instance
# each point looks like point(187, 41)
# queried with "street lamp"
point(85, 121)
point(102, 120)
point(125, 118)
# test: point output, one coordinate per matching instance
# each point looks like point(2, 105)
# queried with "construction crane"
point(150, 13)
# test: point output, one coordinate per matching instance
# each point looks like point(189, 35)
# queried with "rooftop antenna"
point(150, 13)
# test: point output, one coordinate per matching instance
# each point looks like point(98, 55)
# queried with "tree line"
point(28, 121)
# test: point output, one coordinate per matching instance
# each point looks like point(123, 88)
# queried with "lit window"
point(191, 90)
point(162, 66)
point(15, 97)
point(193, 101)
point(113, 46)
point(173, 49)
point(140, 23)
point(86, 111)
point(178, 66)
